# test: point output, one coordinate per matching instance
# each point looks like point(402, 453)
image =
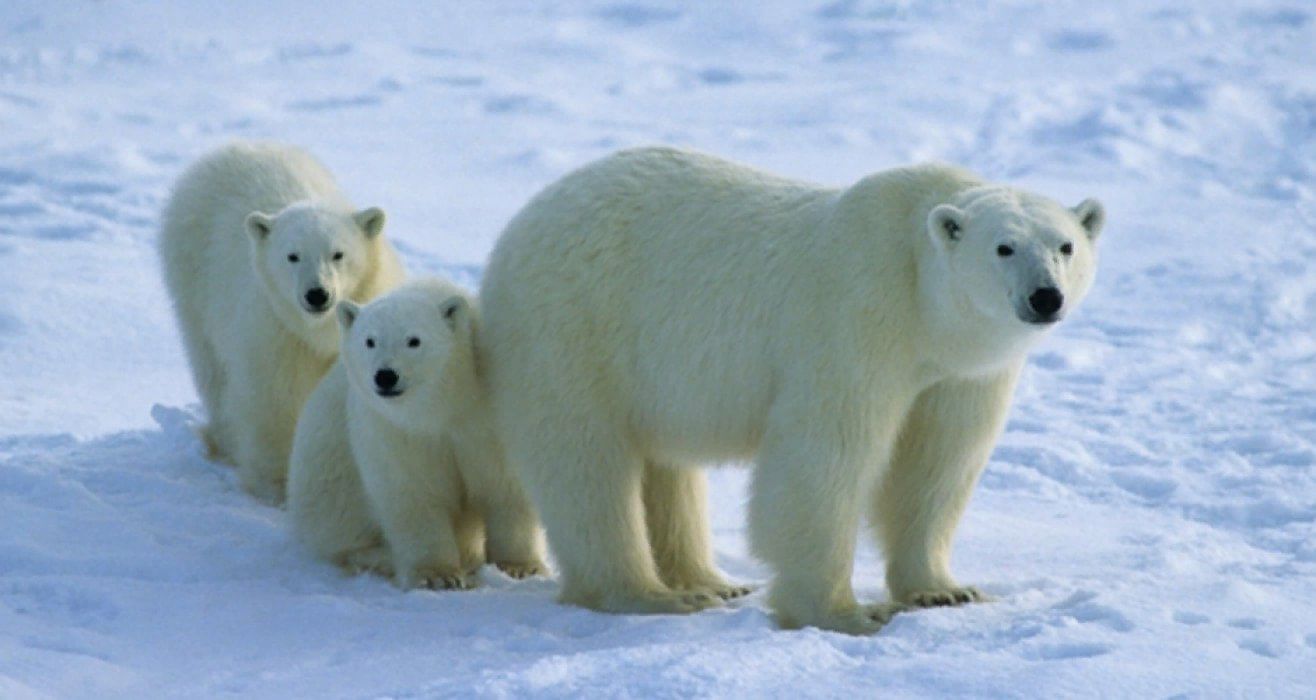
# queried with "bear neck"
point(959, 341)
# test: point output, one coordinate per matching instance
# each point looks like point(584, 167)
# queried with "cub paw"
point(519, 570)
point(437, 579)
point(375, 560)
point(731, 591)
point(947, 597)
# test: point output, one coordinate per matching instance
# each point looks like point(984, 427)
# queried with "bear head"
point(1015, 258)
point(310, 256)
point(401, 350)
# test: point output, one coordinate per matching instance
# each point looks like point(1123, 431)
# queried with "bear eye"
point(1067, 249)
point(1004, 251)
point(413, 342)
point(370, 342)
point(293, 257)
point(338, 255)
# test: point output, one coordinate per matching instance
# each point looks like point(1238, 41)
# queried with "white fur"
point(660, 310)
point(409, 485)
point(255, 349)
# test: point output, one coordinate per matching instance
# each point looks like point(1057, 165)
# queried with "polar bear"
point(396, 466)
point(662, 309)
point(258, 243)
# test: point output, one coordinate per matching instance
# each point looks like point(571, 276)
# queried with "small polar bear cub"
point(258, 244)
point(660, 309)
point(396, 467)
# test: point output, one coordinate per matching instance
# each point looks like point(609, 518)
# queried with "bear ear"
point(370, 220)
point(453, 310)
point(1092, 216)
point(945, 224)
point(347, 313)
point(259, 225)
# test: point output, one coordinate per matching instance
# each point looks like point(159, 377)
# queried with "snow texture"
point(1147, 521)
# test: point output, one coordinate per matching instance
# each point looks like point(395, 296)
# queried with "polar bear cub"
point(660, 309)
point(258, 244)
point(396, 467)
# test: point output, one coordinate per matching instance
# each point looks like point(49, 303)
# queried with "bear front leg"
point(804, 517)
point(264, 436)
point(676, 512)
point(416, 500)
point(943, 447)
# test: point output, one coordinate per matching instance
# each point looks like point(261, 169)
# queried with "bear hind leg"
point(676, 513)
point(469, 528)
point(587, 485)
point(208, 378)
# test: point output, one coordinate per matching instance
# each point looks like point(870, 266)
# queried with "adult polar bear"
point(258, 244)
point(659, 309)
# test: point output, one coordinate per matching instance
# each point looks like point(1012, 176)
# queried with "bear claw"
point(439, 581)
point(947, 598)
point(733, 592)
point(521, 570)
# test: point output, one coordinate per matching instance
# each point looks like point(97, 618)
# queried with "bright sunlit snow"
point(1147, 522)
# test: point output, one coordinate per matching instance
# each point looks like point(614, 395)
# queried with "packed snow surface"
point(1146, 522)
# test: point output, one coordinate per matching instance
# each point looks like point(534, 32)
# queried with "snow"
point(1147, 521)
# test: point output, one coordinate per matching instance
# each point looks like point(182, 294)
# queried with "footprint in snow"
point(1260, 648)
point(1074, 40)
point(1072, 650)
point(1186, 617)
point(1246, 623)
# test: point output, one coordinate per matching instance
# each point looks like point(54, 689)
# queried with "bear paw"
point(859, 620)
point(375, 560)
point(673, 602)
point(519, 570)
point(265, 489)
point(947, 597)
point(719, 588)
point(866, 619)
point(731, 591)
point(438, 579)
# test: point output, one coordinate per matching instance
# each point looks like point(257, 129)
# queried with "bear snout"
point(317, 300)
point(1046, 303)
point(386, 382)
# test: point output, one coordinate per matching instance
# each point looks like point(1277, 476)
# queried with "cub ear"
point(945, 224)
point(347, 313)
point(453, 309)
point(259, 225)
point(370, 220)
point(1092, 216)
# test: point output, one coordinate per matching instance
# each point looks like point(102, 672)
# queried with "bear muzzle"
point(386, 383)
point(316, 300)
point(1044, 306)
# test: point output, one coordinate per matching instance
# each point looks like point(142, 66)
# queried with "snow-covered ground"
point(1147, 521)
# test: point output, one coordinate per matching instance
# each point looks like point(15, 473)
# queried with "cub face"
point(1016, 258)
point(397, 349)
point(309, 257)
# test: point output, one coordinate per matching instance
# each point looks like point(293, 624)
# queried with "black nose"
point(317, 297)
point(386, 379)
point(1046, 301)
